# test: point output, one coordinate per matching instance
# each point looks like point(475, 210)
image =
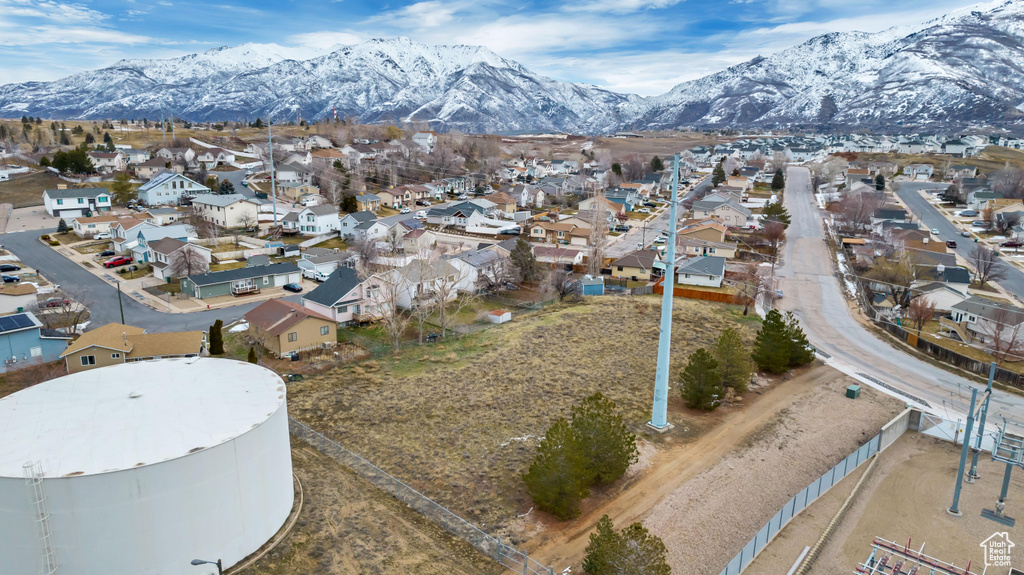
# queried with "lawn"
point(228, 266)
point(24, 190)
point(460, 419)
point(334, 243)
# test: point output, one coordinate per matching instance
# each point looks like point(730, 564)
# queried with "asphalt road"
point(101, 297)
point(932, 219)
point(813, 293)
point(644, 235)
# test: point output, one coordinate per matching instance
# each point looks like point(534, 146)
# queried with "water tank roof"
point(134, 414)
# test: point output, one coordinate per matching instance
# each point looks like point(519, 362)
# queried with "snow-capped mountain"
point(963, 69)
point(454, 87)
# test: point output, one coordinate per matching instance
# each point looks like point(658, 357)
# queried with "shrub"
point(632, 551)
point(702, 384)
point(608, 447)
point(733, 360)
point(556, 479)
point(217, 338)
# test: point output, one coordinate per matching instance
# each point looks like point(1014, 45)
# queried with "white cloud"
point(50, 11)
point(619, 6)
point(323, 39)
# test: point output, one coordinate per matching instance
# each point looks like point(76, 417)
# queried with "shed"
point(500, 316)
point(591, 285)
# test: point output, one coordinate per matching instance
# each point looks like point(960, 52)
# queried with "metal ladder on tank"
point(34, 481)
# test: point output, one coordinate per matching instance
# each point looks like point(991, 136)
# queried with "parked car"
point(644, 210)
point(659, 240)
point(965, 234)
point(950, 244)
point(463, 197)
point(980, 223)
point(623, 228)
point(117, 262)
point(422, 203)
point(9, 267)
point(1006, 244)
point(935, 231)
point(968, 213)
point(107, 253)
point(292, 287)
point(405, 211)
point(102, 236)
point(421, 215)
point(650, 204)
point(10, 279)
point(56, 302)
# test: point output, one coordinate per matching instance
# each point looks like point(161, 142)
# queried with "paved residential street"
point(629, 241)
point(932, 219)
point(813, 292)
point(101, 297)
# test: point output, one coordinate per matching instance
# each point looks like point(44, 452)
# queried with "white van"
point(421, 215)
point(314, 275)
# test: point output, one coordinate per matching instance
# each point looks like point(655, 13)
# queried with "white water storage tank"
point(145, 467)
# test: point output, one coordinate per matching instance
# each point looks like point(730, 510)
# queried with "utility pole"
point(273, 187)
point(955, 508)
point(119, 304)
point(659, 412)
point(973, 473)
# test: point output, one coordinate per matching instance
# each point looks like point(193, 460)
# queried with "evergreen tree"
point(89, 139)
point(702, 384)
point(733, 360)
point(800, 350)
point(44, 162)
point(258, 123)
point(524, 263)
point(772, 346)
point(633, 551)
point(657, 164)
point(879, 182)
point(107, 139)
point(775, 212)
point(718, 175)
point(122, 189)
point(556, 479)
point(217, 338)
point(778, 181)
point(607, 446)
point(64, 139)
point(62, 226)
point(617, 169)
point(109, 146)
point(226, 187)
point(252, 355)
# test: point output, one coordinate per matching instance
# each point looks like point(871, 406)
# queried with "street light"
point(217, 563)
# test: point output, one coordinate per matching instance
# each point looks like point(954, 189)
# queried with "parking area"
point(30, 219)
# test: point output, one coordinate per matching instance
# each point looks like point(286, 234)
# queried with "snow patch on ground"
point(844, 270)
point(239, 328)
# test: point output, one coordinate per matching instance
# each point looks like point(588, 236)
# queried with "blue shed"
point(592, 285)
point(24, 340)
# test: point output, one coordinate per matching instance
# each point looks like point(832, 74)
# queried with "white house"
point(166, 254)
point(164, 216)
point(107, 162)
point(425, 140)
point(423, 279)
point(350, 222)
point(185, 155)
point(345, 298)
point(167, 188)
point(227, 210)
point(125, 233)
point(134, 157)
point(146, 235)
point(313, 220)
point(213, 157)
point(708, 271)
point(68, 203)
point(480, 270)
point(316, 261)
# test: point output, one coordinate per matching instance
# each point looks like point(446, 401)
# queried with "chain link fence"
point(506, 555)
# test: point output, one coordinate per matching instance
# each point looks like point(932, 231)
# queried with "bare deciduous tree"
point(1007, 340)
point(897, 274)
point(987, 266)
point(451, 301)
point(383, 288)
point(633, 168)
point(1009, 181)
point(775, 233)
point(920, 311)
point(854, 211)
point(598, 236)
point(186, 262)
point(562, 283)
point(64, 310)
point(1006, 221)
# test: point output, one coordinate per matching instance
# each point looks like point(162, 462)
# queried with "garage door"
point(70, 213)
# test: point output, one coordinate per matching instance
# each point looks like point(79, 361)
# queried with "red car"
point(117, 262)
point(56, 302)
point(1011, 244)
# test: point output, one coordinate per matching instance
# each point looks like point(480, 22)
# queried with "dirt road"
point(563, 545)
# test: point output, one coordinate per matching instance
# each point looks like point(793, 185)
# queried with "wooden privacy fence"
point(697, 293)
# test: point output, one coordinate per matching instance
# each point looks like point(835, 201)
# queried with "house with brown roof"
point(556, 255)
point(87, 227)
point(396, 197)
point(637, 265)
point(503, 202)
point(284, 327)
point(171, 258)
point(560, 233)
point(117, 343)
point(150, 168)
point(705, 229)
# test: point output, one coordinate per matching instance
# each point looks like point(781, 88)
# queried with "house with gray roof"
point(72, 203)
point(325, 264)
point(730, 212)
point(424, 280)
point(240, 281)
point(313, 220)
point(985, 321)
point(346, 298)
point(349, 222)
point(707, 271)
point(167, 188)
point(480, 269)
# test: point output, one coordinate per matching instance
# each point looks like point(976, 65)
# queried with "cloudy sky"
point(639, 46)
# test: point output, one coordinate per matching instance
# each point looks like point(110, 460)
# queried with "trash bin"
point(21, 309)
point(853, 391)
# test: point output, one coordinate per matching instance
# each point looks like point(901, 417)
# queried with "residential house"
point(313, 220)
point(481, 270)
point(976, 199)
point(117, 343)
point(459, 214)
point(150, 168)
point(889, 214)
point(958, 173)
point(210, 158)
point(108, 162)
point(285, 328)
point(558, 256)
point(167, 188)
point(416, 241)
point(324, 261)
point(530, 196)
point(326, 158)
point(367, 202)
point(425, 140)
point(425, 280)
point(350, 222)
point(561, 233)
point(170, 258)
point(295, 191)
point(294, 172)
point(503, 248)
point(858, 175)
point(503, 202)
point(185, 155)
point(694, 246)
point(146, 234)
point(706, 271)
point(240, 281)
point(227, 210)
point(398, 230)
point(24, 341)
point(396, 198)
point(125, 233)
point(612, 208)
point(135, 157)
point(71, 203)
point(708, 229)
point(87, 227)
point(347, 299)
point(731, 213)
point(370, 230)
point(164, 216)
point(941, 296)
point(984, 320)
point(637, 265)
point(955, 277)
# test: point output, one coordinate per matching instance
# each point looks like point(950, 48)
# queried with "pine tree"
point(800, 350)
point(226, 187)
point(64, 139)
point(556, 479)
point(718, 176)
point(107, 139)
point(252, 355)
point(778, 181)
point(217, 338)
point(44, 162)
point(702, 384)
point(122, 190)
point(524, 263)
point(89, 139)
point(775, 212)
point(62, 227)
point(617, 169)
point(772, 346)
point(657, 164)
point(879, 182)
point(633, 551)
point(607, 446)
point(733, 360)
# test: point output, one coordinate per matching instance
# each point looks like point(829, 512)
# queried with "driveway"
point(101, 297)
point(930, 216)
point(813, 293)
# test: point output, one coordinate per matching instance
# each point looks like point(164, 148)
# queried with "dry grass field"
point(992, 159)
point(24, 190)
point(460, 420)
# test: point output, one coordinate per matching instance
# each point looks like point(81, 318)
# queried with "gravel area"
point(708, 520)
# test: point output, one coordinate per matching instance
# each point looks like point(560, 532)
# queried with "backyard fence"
point(888, 434)
point(506, 555)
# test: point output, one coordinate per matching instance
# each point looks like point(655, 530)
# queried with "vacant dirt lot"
point(349, 526)
point(906, 496)
point(24, 190)
point(461, 420)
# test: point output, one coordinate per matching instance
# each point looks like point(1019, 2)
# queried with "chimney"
point(62, 186)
